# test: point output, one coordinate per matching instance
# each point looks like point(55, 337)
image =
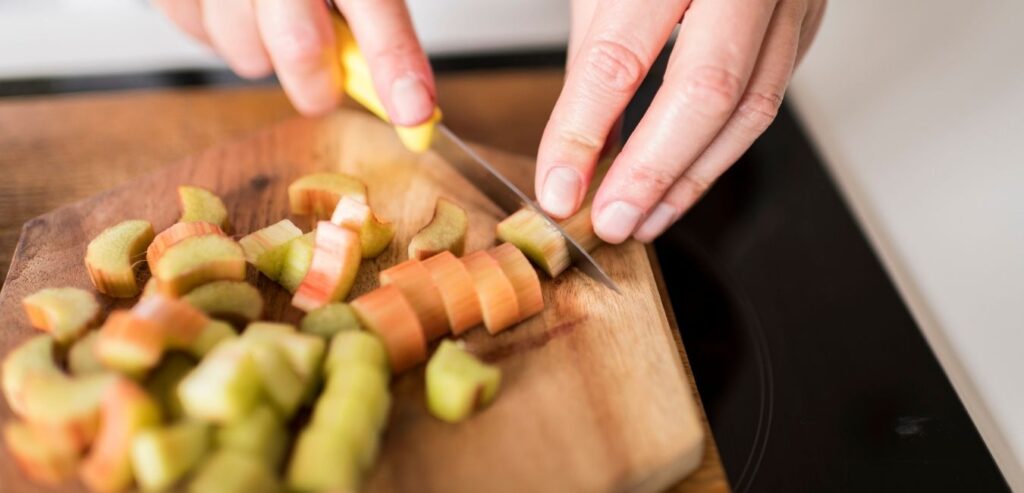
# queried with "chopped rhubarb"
point(297, 258)
point(197, 261)
point(65, 313)
point(228, 471)
point(261, 433)
point(179, 322)
point(282, 384)
point(418, 287)
point(542, 243)
point(304, 351)
point(162, 383)
point(33, 357)
point(163, 455)
point(224, 387)
point(497, 296)
point(523, 278)
point(266, 249)
point(129, 344)
point(336, 258)
point(445, 232)
point(175, 234)
point(385, 312)
point(363, 386)
point(313, 449)
point(82, 359)
point(457, 291)
point(42, 458)
point(199, 204)
point(329, 320)
point(237, 301)
point(458, 383)
point(354, 348)
point(319, 193)
point(126, 410)
point(374, 233)
point(213, 334)
point(111, 256)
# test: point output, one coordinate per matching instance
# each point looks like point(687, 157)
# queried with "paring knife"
point(434, 135)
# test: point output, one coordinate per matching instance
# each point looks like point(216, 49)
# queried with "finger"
point(581, 17)
point(611, 62)
point(400, 70)
point(299, 39)
point(754, 114)
point(706, 75)
point(187, 15)
point(231, 27)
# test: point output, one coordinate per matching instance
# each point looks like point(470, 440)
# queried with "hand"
point(723, 86)
point(295, 39)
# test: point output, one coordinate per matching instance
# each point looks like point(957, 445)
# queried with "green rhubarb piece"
point(297, 261)
point(445, 232)
point(65, 313)
point(458, 383)
point(163, 383)
point(304, 351)
point(161, 456)
point(110, 257)
point(374, 234)
point(267, 248)
point(360, 385)
point(224, 387)
point(281, 383)
point(329, 320)
point(228, 471)
point(201, 205)
point(320, 462)
point(199, 260)
point(261, 433)
point(356, 347)
point(319, 193)
point(234, 300)
point(43, 457)
point(32, 357)
point(82, 358)
point(213, 334)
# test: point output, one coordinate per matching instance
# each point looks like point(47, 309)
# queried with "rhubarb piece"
point(353, 390)
point(267, 248)
point(314, 449)
point(82, 359)
point(329, 320)
point(163, 383)
point(497, 296)
point(150, 288)
point(179, 322)
point(374, 233)
point(129, 344)
point(162, 456)
point(197, 261)
point(542, 243)
point(232, 300)
point(32, 357)
point(199, 204)
point(228, 471)
point(213, 334)
point(259, 434)
point(580, 228)
point(333, 270)
point(385, 312)
point(281, 382)
point(65, 313)
point(110, 257)
point(126, 411)
point(224, 387)
point(458, 291)
point(458, 383)
point(41, 458)
point(354, 348)
point(524, 279)
point(175, 234)
point(296, 261)
point(305, 352)
point(417, 285)
point(445, 232)
point(318, 194)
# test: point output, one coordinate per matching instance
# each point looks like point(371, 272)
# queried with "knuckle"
point(651, 177)
point(301, 46)
point(712, 90)
point(582, 141)
point(697, 185)
point(614, 66)
point(758, 110)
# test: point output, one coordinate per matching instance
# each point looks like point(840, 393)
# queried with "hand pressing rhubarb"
point(445, 232)
point(66, 313)
point(111, 257)
point(332, 272)
point(419, 288)
point(197, 261)
point(458, 383)
point(236, 301)
point(175, 234)
point(267, 248)
point(374, 233)
point(542, 243)
point(201, 205)
point(161, 456)
point(318, 193)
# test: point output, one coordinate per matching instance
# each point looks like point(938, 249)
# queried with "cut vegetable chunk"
point(305, 352)
point(365, 389)
point(333, 270)
point(175, 234)
point(213, 334)
point(445, 232)
point(129, 344)
point(224, 387)
point(65, 313)
point(200, 204)
point(179, 322)
point(82, 359)
point(523, 278)
point(355, 348)
point(458, 291)
point(281, 382)
point(542, 243)
point(313, 449)
point(329, 320)
point(163, 383)
point(385, 312)
point(296, 262)
point(374, 233)
point(458, 383)
point(197, 261)
point(232, 300)
point(110, 257)
point(418, 287)
point(161, 456)
point(32, 357)
point(318, 194)
point(228, 471)
point(126, 410)
point(259, 434)
point(41, 458)
point(267, 248)
point(497, 297)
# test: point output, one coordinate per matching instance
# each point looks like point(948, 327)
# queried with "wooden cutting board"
point(594, 394)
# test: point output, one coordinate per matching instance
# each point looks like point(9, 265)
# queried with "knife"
point(435, 136)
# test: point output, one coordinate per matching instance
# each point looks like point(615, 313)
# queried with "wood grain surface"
point(194, 119)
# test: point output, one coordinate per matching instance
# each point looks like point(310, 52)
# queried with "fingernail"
point(410, 100)
point(617, 221)
point(561, 191)
point(656, 223)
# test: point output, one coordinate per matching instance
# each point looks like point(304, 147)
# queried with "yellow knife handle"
point(358, 84)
